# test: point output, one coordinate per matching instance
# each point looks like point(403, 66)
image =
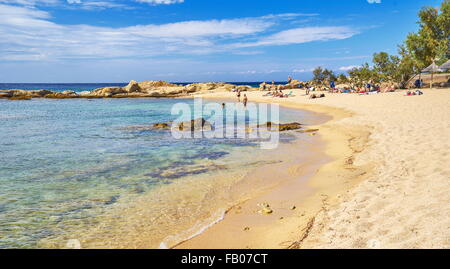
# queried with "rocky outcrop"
point(216, 86)
point(151, 85)
point(23, 97)
point(134, 89)
point(133, 86)
point(108, 91)
point(17, 94)
point(211, 86)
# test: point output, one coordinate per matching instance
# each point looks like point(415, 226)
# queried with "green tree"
point(386, 66)
point(329, 75)
point(432, 39)
point(323, 76)
point(319, 77)
point(342, 79)
point(407, 67)
point(359, 76)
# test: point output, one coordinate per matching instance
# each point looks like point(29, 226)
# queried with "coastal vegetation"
point(431, 43)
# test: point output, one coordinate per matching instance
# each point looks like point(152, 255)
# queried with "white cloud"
point(30, 2)
point(96, 5)
point(107, 4)
point(302, 70)
point(347, 68)
point(87, 4)
point(160, 2)
point(303, 35)
point(29, 34)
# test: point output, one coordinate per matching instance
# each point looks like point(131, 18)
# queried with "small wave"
point(174, 240)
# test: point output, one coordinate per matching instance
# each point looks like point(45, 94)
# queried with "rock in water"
point(69, 93)
point(289, 126)
point(40, 93)
point(154, 85)
point(199, 124)
point(281, 127)
point(108, 91)
point(309, 131)
point(161, 126)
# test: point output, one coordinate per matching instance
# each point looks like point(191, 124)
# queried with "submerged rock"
point(309, 131)
point(199, 124)
point(281, 127)
point(161, 126)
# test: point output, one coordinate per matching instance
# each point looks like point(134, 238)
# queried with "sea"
point(78, 173)
point(79, 87)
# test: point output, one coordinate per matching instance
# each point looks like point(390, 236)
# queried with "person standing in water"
point(245, 100)
point(239, 96)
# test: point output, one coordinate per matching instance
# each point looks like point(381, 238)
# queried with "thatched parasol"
point(431, 69)
point(445, 66)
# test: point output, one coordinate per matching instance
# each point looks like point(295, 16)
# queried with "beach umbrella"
point(431, 69)
point(445, 66)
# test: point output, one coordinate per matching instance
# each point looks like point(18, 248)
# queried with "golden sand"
point(387, 185)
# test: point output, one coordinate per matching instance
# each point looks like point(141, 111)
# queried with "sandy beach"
point(386, 185)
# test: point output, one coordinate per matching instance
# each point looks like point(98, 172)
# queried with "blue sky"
point(195, 40)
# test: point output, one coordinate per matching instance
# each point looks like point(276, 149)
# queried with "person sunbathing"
point(314, 96)
point(417, 92)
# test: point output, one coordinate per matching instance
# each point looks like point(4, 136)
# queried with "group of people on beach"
point(368, 88)
point(244, 100)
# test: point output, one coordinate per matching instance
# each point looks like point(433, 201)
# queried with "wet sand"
point(175, 212)
point(386, 186)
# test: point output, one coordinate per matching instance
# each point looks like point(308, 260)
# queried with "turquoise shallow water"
point(69, 161)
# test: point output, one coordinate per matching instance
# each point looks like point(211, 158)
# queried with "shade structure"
point(432, 68)
point(445, 66)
